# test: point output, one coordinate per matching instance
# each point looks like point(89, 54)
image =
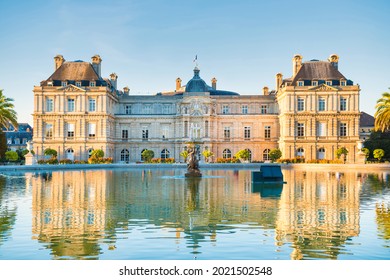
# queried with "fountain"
point(193, 162)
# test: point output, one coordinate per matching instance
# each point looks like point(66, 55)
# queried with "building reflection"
point(319, 212)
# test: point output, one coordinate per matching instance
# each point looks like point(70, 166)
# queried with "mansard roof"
point(74, 71)
point(317, 70)
point(366, 120)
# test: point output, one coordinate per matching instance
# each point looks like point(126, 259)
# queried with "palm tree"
point(382, 114)
point(7, 113)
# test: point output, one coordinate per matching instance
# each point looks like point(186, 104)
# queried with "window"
point(17, 141)
point(225, 109)
point(328, 83)
point(49, 105)
point(142, 157)
point(125, 155)
point(300, 129)
point(321, 104)
point(147, 109)
point(92, 105)
point(343, 129)
point(247, 132)
point(145, 134)
point(165, 154)
point(300, 83)
point(250, 154)
point(227, 153)
point(267, 132)
point(301, 104)
point(92, 84)
point(125, 134)
point(24, 141)
point(70, 105)
point(343, 104)
point(343, 83)
point(226, 133)
point(70, 154)
point(49, 130)
point(70, 129)
point(78, 84)
point(186, 129)
point(64, 83)
point(321, 129)
point(321, 153)
point(314, 83)
point(90, 152)
point(9, 141)
point(266, 154)
point(206, 128)
point(264, 109)
point(128, 109)
point(166, 108)
point(244, 109)
point(91, 130)
point(300, 152)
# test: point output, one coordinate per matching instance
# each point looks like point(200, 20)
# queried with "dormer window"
point(92, 84)
point(343, 83)
point(300, 83)
point(314, 83)
point(328, 83)
point(64, 83)
point(50, 83)
point(78, 84)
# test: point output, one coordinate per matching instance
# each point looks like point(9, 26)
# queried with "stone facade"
point(77, 111)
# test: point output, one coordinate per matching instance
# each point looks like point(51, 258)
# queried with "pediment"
point(324, 87)
point(71, 88)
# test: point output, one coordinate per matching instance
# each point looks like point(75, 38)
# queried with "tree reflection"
point(7, 216)
point(383, 219)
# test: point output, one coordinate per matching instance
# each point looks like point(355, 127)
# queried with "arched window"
point(90, 152)
point(70, 154)
point(300, 152)
point(226, 153)
point(266, 154)
point(125, 155)
point(250, 154)
point(165, 154)
point(142, 158)
point(321, 153)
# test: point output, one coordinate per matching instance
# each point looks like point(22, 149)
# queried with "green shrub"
point(147, 155)
point(275, 154)
point(11, 156)
point(50, 152)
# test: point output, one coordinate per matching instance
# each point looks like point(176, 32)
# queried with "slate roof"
point(366, 120)
point(317, 70)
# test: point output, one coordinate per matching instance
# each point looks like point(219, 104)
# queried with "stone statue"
point(193, 164)
point(29, 146)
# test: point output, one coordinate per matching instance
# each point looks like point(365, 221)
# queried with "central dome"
point(196, 84)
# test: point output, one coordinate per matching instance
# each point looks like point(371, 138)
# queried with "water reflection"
point(85, 214)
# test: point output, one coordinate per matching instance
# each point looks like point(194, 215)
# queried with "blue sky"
point(148, 44)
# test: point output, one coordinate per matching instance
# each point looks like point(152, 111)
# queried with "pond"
point(121, 214)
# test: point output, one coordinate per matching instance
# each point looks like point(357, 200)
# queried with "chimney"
point(113, 79)
point(214, 83)
point(265, 91)
point(334, 60)
point(96, 64)
point(279, 80)
point(58, 61)
point(126, 90)
point(178, 84)
point(297, 63)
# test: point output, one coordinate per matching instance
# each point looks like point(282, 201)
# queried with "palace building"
point(311, 115)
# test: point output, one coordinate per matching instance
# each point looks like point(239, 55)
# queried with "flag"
point(196, 58)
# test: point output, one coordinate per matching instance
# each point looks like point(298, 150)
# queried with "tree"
point(147, 155)
point(379, 154)
point(378, 140)
point(243, 154)
point(11, 156)
point(275, 154)
point(342, 151)
point(7, 113)
point(50, 152)
point(366, 152)
point(184, 155)
point(207, 154)
point(97, 153)
point(382, 114)
point(3, 144)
